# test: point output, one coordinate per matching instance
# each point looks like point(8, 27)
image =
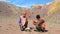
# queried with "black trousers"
point(22, 28)
point(40, 28)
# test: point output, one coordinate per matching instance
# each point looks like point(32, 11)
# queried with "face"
point(24, 15)
point(38, 18)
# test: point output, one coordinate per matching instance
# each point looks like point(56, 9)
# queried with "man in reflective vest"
point(39, 23)
point(23, 22)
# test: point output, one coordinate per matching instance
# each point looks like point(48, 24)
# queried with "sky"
point(26, 3)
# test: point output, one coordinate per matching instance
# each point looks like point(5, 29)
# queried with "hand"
point(34, 22)
point(21, 25)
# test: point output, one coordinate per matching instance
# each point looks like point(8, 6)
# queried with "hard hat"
point(24, 13)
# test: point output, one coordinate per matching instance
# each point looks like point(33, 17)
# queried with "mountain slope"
point(42, 10)
point(55, 6)
point(54, 12)
point(7, 9)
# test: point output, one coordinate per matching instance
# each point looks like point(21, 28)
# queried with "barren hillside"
point(42, 10)
point(7, 9)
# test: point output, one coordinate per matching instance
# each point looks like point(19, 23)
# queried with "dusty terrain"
point(9, 25)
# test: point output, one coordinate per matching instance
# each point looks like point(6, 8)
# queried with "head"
point(24, 14)
point(37, 16)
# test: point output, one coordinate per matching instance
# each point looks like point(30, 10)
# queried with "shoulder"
point(42, 19)
point(21, 16)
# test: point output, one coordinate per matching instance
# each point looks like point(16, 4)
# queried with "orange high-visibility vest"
point(23, 20)
point(43, 25)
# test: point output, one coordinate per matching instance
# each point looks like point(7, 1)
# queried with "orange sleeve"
point(33, 22)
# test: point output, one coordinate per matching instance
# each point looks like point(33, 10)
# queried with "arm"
point(19, 22)
point(43, 23)
point(34, 22)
